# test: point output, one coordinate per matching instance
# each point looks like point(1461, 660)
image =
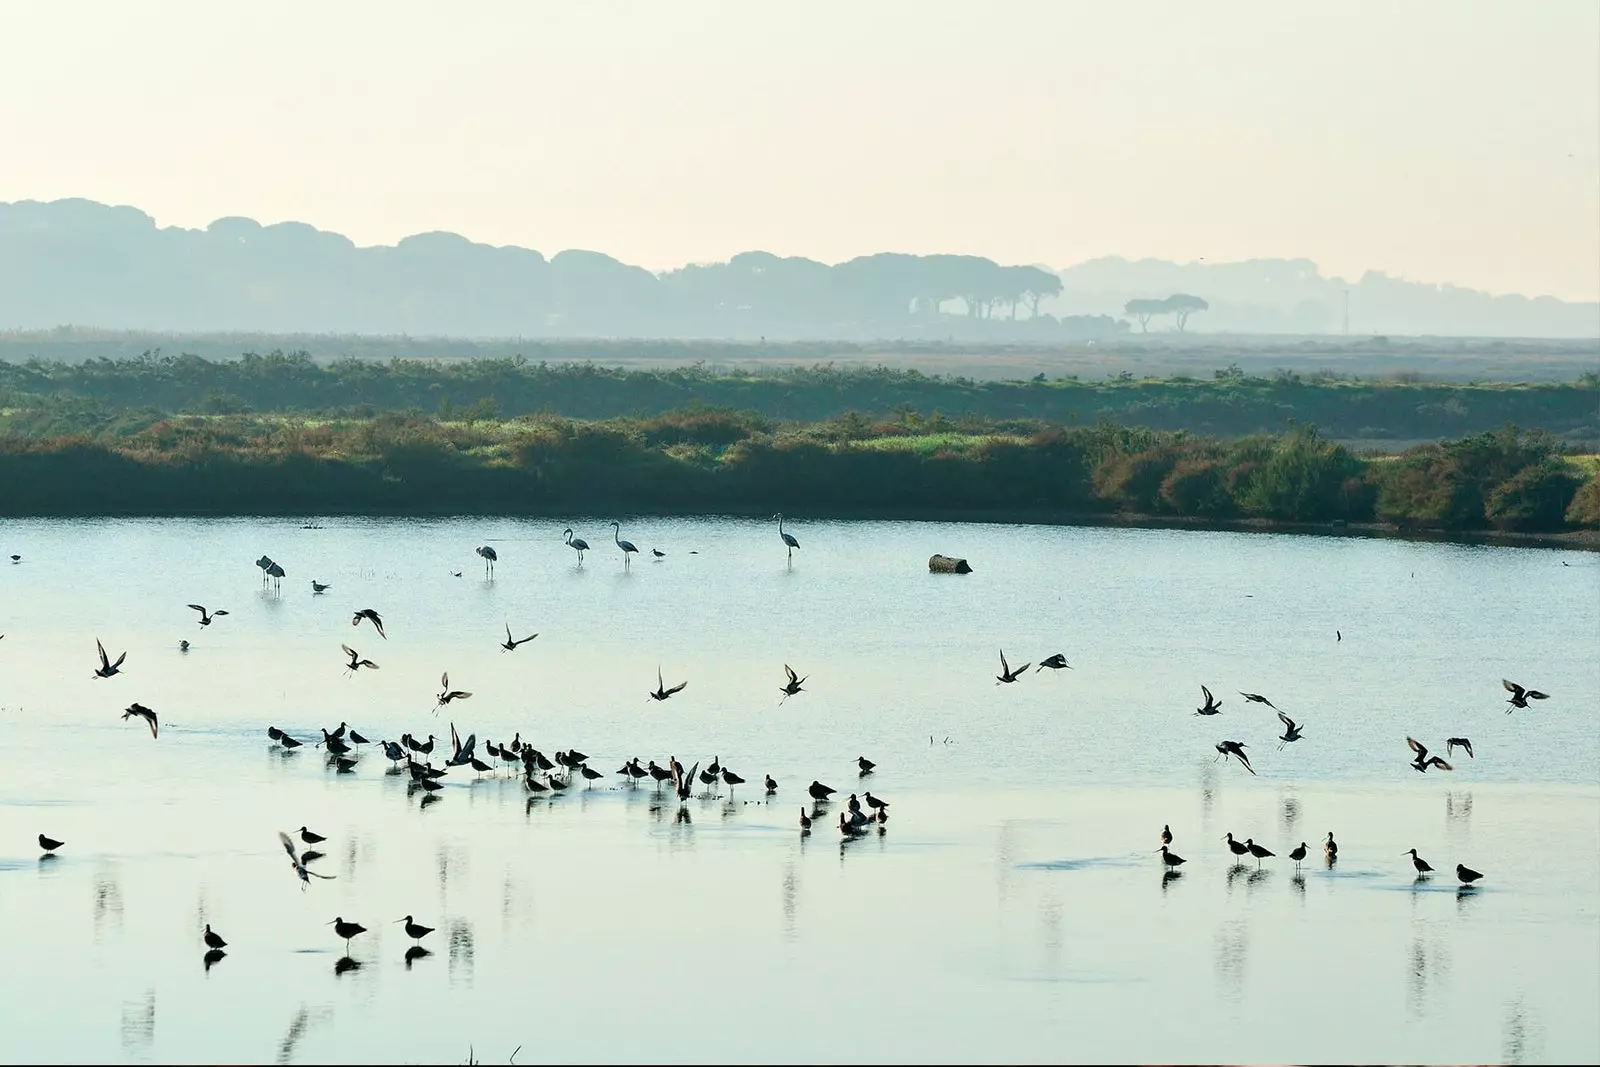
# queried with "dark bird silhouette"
point(1330, 848)
point(1006, 673)
point(1298, 854)
point(819, 791)
point(298, 862)
point(346, 931)
point(577, 543)
point(446, 694)
point(489, 557)
point(137, 709)
point(852, 822)
point(1467, 874)
point(730, 779)
point(1236, 750)
point(683, 784)
point(1423, 760)
point(1238, 848)
point(320, 587)
point(1520, 696)
point(206, 617)
point(1212, 706)
point(415, 930)
point(1291, 730)
point(662, 692)
point(1418, 862)
point(357, 739)
point(805, 820)
point(213, 939)
point(510, 643)
point(310, 837)
point(788, 538)
point(772, 785)
point(589, 773)
point(792, 686)
point(865, 766)
point(1257, 698)
point(356, 661)
point(368, 613)
point(1451, 743)
point(107, 668)
point(288, 742)
point(628, 547)
point(49, 844)
point(1056, 662)
point(1166, 835)
point(657, 553)
point(873, 802)
point(1260, 852)
point(1337, 636)
point(1170, 858)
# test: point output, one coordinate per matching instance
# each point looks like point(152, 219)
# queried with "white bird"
point(788, 538)
point(628, 547)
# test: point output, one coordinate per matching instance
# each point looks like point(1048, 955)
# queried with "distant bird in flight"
point(1236, 750)
point(139, 710)
point(1451, 743)
point(107, 668)
point(510, 643)
point(1056, 662)
point(662, 692)
point(1423, 760)
point(792, 686)
point(1212, 705)
point(1291, 730)
point(448, 694)
point(1257, 698)
point(1520, 696)
point(356, 662)
point(368, 613)
point(1006, 674)
point(205, 616)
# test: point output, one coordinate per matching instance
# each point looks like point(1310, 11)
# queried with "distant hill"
point(88, 264)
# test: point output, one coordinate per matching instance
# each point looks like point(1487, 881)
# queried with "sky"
point(1439, 140)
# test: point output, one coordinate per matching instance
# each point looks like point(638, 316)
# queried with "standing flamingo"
point(628, 547)
point(788, 538)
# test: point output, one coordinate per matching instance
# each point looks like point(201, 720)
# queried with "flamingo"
point(788, 538)
point(578, 543)
point(628, 547)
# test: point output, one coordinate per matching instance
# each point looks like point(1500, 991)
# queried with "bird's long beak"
point(330, 923)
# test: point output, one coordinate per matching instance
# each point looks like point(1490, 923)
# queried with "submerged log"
point(947, 565)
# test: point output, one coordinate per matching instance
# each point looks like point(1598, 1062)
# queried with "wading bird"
point(265, 563)
point(805, 820)
point(277, 574)
point(771, 784)
point(1423, 760)
point(49, 844)
point(299, 863)
point(1520, 696)
point(320, 587)
point(1257, 698)
point(1056, 662)
point(792, 686)
point(1006, 673)
point(628, 547)
point(346, 930)
point(446, 695)
point(1260, 852)
point(213, 939)
point(852, 822)
point(662, 692)
point(415, 930)
point(730, 780)
point(356, 662)
point(819, 791)
point(1166, 834)
point(510, 643)
point(1422, 865)
point(1212, 705)
point(139, 710)
point(368, 613)
point(489, 556)
point(1235, 749)
point(310, 837)
point(107, 668)
point(1291, 730)
point(1298, 854)
point(864, 766)
point(1170, 858)
point(788, 538)
point(873, 802)
point(578, 543)
point(207, 616)
point(658, 554)
point(1330, 849)
point(1451, 743)
point(1238, 848)
point(1467, 874)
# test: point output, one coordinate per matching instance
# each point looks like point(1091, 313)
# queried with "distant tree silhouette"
point(1182, 305)
point(1144, 311)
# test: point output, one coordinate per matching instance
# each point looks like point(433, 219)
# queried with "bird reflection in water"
point(1298, 881)
point(139, 1021)
point(415, 953)
point(344, 964)
point(291, 1037)
point(1168, 877)
point(213, 957)
point(1290, 815)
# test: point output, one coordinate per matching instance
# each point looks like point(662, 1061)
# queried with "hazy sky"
point(1445, 141)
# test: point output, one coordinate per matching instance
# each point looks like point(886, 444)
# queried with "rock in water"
point(947, 565)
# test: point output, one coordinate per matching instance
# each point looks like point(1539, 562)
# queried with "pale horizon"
point(1441, 143)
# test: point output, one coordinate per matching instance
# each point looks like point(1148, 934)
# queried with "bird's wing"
point(219, 611)
point(314, 874)
point(457, 694)
point(678, 688)
point(155, 727)
point(1207, 693)
point(1512, 687)
point(1468, 746)
point(444, 680)
point(455, 741)
point(288, 846)
point(105, 662)
point(379, 624)
point(1004, 667)
point(1288, 723)
point(199, 607)
point(120, 659)
point(369, 664)
point(1269, 703)
point(1417, 746)
point(790, 672)
point(1534, 694)
point(660, 685)
point(1441, 764)
point(348, 651)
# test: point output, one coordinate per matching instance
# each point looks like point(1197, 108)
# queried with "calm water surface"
point(1012, 910)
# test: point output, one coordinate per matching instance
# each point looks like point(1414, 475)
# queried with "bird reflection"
point(1168, 877)
point(346, 963)
point(291, 1037)
point(139, 1021)
point(790, 892)
point(214, 957)
point(461, 951)
point(1232, 948)
point(1291, 815)
point(415, 953)
point(1298, 881)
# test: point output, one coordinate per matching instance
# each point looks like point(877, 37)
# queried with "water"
point(1013, 909)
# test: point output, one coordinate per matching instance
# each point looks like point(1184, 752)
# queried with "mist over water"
point(1013, 909)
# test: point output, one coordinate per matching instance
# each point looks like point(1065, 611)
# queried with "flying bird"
point(107, 668)
point(448, 694)
point(1056, 662)
point(356, 661)
point(1212, 705)
point(1291, 730)
point(137, 709)
point(1006, 673)
point(1235, 749)
point(662, 692)
point(207, 616)
point(368, 613)
point(510, 643)
point(788, 538)
point(1520, 696)
point(1423, 760)
point(299, 864)
point(1451, 743)
point(792, 686)
point(1257, 698)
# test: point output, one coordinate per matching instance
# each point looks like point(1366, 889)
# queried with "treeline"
point(42, 397)
point(719, 461)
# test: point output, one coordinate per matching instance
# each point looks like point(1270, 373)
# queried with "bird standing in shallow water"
point(805, 820)
point(1006, 674)
point(1238, 848)
point(865, 766)
point(819, 791)
point(1166, 835)
point(1170, 858)
point(299, 862)
point(1520, 696)
point(1298, 854)
point(149, 716)
point(1260, 852)
point(628, 547)
point(49, 844)
point(1467, 874)
point(1422, 865)
point(788, 538)
point(377, 622)
point(489, 556)
point(205, 616)
point(577, 543)
point(346, 930)
point(107, 668)
point(772, 785)
point(414, 930)
point(310, 837)
point(1330, 849)
point(213, 939)
point(320, 587)
point(1212, 706)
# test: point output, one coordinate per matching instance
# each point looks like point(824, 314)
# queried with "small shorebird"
point(356, 661)
point(792, 686)
point(1235, 749)
point(510, 643)
point(873, 802)
point(49, 844)
point(1166, 835)
point(368, 613)
point(447, 694)
point(310, 837)
point(1299, 854)
point(1451, 743)
point(1418, 862)
point(207, 616)
point(345, 930)
point(1330, 848)
point(771, 784)
point(149, 716)
point(107, 668)
point(1212, 706)
point(1238, 848)
point(1056, 662)
point(864, 765)
point(1467, 874)
point(1423, 760)
point(805, 820)
point(852, 822)
point(1520, 696)
point(1170, 858)
point(1291, 730)
point(589, 773)
point(1257, 698)
point(213, 939)
point(415, 930)
point(662, 692)
point(819, 791)
point(1006, 673)
point(730, 780)
point(320, 587)
point(1260, 852)
point(658, 554)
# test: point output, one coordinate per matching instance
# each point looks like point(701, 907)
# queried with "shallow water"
point(1012, 910)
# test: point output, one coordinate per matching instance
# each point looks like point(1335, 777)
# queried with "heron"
point(1451, 744)
point(1006, 674)
point(1212, 705)
point(1467, 874)
point(1235, 749)
point(49, 844)
point(578, 543)
point(1291, 730)
point(299, 864)
point(377, 622)
point(510, 643)
point(1056, 662)
point(1170, 858)
point(628, 547)
point(107, 668)
point(788, 538)
point(1520, 696)
point(356, 661)
point(345, 930)
point(1257, 698)
point(792, 686)
point(207, 616)
point(662, 692)
point(489, 556)
point(1422, 865)
point(139, 710)
point(447, 694)
point(414, 930)
point(1423, 760)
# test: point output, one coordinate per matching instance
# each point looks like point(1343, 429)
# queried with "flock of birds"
point(543, 776)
